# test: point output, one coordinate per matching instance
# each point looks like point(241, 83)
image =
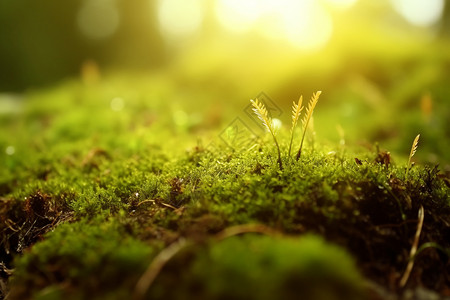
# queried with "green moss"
point(91, 194)
point(82, 260)
point(261, 267)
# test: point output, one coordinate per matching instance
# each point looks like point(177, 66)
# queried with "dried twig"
point(157, 202)
point(245, 228)
point(155, 267)
point(412, 253)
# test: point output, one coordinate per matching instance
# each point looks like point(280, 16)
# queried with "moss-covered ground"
point(112, 192)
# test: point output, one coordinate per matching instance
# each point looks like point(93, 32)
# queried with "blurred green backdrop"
point(383, 65)
point(41, 42)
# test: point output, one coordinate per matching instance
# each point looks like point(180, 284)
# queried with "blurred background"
point(45, 42)
point(384, 66)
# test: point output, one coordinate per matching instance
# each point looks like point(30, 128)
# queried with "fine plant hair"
point(312, 133)
point(415, 144)
point(260, 110)
point(306, 119)
point(296, 110)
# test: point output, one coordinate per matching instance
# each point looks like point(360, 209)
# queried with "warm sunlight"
point(342, 4)
point(305, 24)
point(224, 149)
point(179, 19)
point(418, 12)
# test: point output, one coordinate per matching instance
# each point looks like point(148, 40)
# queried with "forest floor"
point(108, 193)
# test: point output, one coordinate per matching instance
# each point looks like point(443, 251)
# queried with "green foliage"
point(88, 199)
point(91, 256)
point(261, 267)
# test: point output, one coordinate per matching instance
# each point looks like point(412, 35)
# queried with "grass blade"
point(260, 110)
point(296, 110)
point(414, 146)
point(306, 119)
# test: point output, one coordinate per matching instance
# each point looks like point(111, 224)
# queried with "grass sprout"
point(415, 144)
point(307, 118)
point(260, 110)
point(296, 110)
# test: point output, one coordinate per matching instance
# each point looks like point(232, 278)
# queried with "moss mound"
point(261, 267)
point(91, 197)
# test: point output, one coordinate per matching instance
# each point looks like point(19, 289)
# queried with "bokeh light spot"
point(307, 26)
point(98, 19)
point(420, 12)
point(117, 104)
point(179, 18)
point(10, 150)
point(303, 23)
point(277, 124)
point(239, 16)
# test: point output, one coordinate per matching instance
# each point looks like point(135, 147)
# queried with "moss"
point(261, 267)
point(91, 195)
point(82, 260)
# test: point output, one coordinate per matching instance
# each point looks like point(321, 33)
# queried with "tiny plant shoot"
point(415, 144)
point(260, 110)
point(306, 119)
point(296, 110)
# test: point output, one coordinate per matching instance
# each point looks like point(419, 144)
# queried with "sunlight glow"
point(342, 4)
point(420, 12)
point(277, 124)
point(304, 23)
point(179, 19)
point(98, 19)
point(239, 16)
